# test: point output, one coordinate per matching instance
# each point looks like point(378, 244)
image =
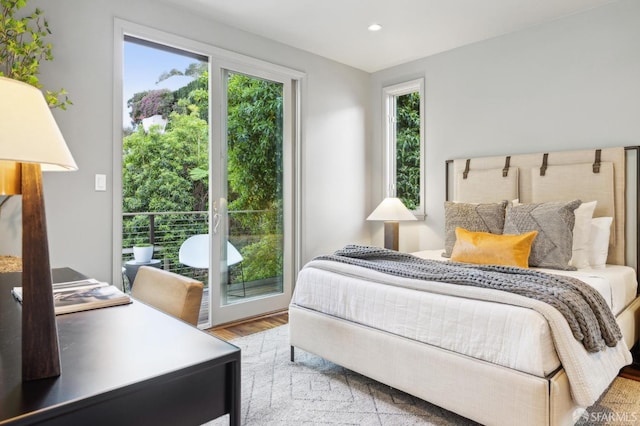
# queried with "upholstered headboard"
point(608, 176)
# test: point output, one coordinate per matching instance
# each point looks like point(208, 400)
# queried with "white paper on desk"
point(80, 283)
point(82, 295)
point(89, 282)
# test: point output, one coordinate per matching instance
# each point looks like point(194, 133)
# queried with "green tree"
point(408, 149)
point(194, 97)
point(255, 142)
point(254, 132)
point(170, 171)
point(156, 177)
point(156, 167)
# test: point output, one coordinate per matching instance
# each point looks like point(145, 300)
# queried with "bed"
point(488, 355)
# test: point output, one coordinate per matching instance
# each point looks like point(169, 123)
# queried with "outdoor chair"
point(194, 252)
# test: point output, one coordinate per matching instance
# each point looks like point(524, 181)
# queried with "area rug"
point(313, 391)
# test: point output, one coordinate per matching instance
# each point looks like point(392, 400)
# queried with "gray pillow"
point(554, 222)
point(481, 217)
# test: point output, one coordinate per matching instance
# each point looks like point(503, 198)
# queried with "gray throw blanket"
point(590, 319)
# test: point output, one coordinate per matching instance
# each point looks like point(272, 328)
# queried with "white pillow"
point(599, 241)
point(581, 234)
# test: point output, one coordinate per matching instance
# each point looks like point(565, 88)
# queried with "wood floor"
point(250, 326)
point(236, 294)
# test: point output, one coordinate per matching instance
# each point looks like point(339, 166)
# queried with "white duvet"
point(617, 284)
point(452, 318)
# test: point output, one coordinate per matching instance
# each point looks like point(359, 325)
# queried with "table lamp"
point(31, 142)
point(391, 211)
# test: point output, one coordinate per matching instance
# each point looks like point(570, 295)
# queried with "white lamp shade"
point(391, 209)
point(28, 131)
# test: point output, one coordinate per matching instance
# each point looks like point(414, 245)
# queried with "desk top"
point(101, 351)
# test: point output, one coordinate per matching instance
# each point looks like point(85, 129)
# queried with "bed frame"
point(479, 390)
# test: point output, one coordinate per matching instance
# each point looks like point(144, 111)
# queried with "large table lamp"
point(391, 210)
point(31, 142)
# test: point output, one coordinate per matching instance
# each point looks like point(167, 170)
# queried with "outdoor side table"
point(131, 268)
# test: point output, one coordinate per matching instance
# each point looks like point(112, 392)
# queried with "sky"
point(142, 67)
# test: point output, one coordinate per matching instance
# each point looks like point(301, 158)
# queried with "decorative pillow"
point(581, 233)
point(490, 249)
point(554, 222)
point(484, 217)
point(599, 241)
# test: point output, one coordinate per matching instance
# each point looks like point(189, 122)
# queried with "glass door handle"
point(216, 217)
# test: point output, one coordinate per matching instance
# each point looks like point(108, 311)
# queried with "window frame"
point(389, 96)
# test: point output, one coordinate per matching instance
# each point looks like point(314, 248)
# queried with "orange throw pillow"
point(484, 248)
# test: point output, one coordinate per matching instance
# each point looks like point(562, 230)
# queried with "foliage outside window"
point(23, 48)
point(404, 143)
point(156, 171)
point(169, 172)
point(254, 134)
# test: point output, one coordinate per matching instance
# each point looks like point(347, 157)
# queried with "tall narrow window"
point(404, 143)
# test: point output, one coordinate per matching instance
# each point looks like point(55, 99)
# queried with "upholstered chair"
point(169, 292)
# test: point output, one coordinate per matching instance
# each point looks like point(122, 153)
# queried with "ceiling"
point(411, 29)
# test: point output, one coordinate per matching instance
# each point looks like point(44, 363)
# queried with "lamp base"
point(391, 232)
point(40, 352)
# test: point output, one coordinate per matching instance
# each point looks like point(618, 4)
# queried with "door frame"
point(217, 56)
point(225, 313)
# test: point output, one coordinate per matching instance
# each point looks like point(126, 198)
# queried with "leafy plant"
point(194, 97)
point(169, 172)
point(254, 133)
point(263, 259)
point(22, 48)
point(408, 150)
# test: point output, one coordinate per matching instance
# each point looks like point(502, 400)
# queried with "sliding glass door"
point(253, 229)
point(207, 171)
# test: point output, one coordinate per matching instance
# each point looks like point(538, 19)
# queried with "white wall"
point(334, 110)
point(570, 84)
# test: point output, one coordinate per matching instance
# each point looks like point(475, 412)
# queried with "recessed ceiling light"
point(374, 27)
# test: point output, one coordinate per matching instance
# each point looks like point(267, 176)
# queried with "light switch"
point(101, 182)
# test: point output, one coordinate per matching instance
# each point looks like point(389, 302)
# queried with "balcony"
point(250, 231)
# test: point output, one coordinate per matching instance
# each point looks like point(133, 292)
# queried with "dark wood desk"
point(123, 365)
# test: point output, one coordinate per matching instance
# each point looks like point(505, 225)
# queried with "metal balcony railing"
point(168, 230)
